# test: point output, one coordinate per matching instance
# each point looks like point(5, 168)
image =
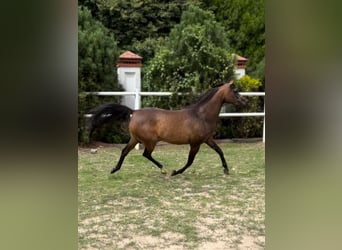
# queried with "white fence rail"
point(138, 94)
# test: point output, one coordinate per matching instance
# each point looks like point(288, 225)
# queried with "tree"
point(195, 57)
point(97, 55)
point(244, 22)
point(136, 20)
point(142, 25)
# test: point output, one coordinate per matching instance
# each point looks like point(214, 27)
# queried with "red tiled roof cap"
point(129, 59)
point(129, 55)
point(239, 58)
point(240, 61)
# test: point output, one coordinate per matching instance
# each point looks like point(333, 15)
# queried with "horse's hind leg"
point(149, 147)
point(211, 143)
point(130, 145)
point(193, 151)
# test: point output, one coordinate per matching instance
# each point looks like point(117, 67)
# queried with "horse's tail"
point(106, 113)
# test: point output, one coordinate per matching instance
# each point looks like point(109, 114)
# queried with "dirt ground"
point(139, 209)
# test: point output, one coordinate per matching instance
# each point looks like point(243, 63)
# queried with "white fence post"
point(137, 105)
point(137, 101)
point(263, 126)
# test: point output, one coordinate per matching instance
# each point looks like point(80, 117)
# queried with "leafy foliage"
point(248, 84)
point(138, 19)
point(97, 56)
point(244, 22)
point(195, 57)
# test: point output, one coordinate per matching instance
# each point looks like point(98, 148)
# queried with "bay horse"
point(194, 125)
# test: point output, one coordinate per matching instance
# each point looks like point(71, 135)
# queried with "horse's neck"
point(211, 109)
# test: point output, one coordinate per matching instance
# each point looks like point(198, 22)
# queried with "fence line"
point(142, 93)
point(138, 94)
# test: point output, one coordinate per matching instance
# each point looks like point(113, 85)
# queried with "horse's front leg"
point(193, 151)
point(211, 143)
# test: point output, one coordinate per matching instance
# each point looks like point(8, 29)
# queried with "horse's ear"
point(231, 84)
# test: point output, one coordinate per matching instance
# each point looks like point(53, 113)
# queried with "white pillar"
point(129, 76)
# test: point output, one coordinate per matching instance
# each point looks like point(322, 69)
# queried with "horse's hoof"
point(113, 171)
point(163, 171)
point(174, 172)
point(226, 172)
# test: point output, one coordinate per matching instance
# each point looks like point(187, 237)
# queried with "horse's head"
point(232, 95)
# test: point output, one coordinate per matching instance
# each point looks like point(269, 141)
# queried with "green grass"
point(139, 208)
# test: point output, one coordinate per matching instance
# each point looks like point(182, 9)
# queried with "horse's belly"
point(174, 140)
point(180, 135)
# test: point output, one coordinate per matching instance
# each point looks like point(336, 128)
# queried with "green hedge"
point(97, 55)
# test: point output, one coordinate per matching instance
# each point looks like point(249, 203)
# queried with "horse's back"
point(154, 119)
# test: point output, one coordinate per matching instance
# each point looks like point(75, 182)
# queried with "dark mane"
point(203, 99)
